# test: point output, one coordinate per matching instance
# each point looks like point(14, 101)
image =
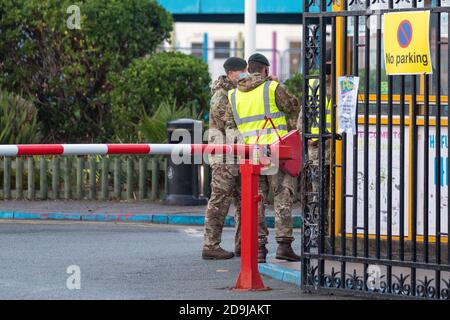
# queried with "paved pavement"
point(112, 207)
point(83, 206)
point(120, 261)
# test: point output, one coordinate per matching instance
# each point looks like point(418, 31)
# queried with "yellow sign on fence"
point(407, 43)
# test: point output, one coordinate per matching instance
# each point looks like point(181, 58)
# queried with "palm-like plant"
point(153, 128)
point(18, 120)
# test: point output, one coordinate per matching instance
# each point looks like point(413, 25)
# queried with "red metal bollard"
point(249, 277)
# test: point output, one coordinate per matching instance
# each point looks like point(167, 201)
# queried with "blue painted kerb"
point(279, 273)
point(176, 219)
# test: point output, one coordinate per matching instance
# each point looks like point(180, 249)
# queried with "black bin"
point(184, 181)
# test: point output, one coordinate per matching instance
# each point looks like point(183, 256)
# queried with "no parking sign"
point(407, 43)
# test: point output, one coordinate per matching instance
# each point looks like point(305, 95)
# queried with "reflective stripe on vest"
point(314, 85)
point(250, 110)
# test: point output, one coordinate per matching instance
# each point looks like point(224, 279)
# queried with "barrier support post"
point(249, 277)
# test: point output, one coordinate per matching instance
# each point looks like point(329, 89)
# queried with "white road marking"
point(194, 232)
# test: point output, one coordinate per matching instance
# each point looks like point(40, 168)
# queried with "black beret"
point(258, 57)
point(234, 64)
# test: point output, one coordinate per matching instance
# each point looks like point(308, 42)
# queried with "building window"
point(197, 49)
point(221, 49)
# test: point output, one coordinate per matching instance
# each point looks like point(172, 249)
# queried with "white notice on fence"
point(347, 97)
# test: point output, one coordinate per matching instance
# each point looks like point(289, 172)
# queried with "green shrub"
point(153, 128)
point(18, 120)
point(294, 85)
point(66, 70)
point(148, 82)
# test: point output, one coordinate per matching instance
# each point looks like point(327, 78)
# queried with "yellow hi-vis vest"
point(250, 110)
point(314, 91)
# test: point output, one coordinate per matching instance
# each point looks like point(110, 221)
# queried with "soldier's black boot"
point(216, 254)
point(262, 253)
point(285, 252)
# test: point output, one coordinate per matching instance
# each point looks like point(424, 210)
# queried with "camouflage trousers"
point(225, 189)
point(282, 187)
point(311, 175)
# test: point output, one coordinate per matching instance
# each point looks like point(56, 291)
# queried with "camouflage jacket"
point(219, 110)
point(286, 102)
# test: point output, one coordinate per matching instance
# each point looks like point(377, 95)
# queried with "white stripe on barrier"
point(170, 149)
point(85, 149)
point(160, 148)
point(8, 150)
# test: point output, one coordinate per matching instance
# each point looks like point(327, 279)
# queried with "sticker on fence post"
point(347, 100)
point(407, 43)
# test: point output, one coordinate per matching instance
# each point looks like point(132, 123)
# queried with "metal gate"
point(375, 203)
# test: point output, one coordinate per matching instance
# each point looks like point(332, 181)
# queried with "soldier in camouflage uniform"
point(311, 181)
point(281, 184)
point(225, 169)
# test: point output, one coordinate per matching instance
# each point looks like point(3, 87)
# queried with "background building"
point(213, 31)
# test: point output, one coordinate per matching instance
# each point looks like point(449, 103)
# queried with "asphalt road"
point(119, 261)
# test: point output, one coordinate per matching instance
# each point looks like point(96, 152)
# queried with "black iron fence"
point(376, 211)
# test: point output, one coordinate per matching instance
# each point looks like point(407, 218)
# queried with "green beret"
point(258, 57)
point(234, 64)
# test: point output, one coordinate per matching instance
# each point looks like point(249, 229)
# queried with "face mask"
point(243, 75)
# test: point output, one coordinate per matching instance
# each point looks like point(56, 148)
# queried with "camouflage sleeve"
point(218, 112)
point(232, 133)
point(229, 118)
point(222, 127)
point(286, 102)
point(216, 131)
